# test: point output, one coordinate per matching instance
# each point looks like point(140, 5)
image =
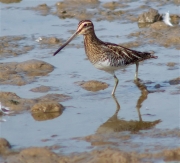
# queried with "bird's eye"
point(85, 25)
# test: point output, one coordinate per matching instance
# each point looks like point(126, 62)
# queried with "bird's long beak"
point(67, 42)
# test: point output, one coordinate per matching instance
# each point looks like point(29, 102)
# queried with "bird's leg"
point(136, 74)
point(116, 83)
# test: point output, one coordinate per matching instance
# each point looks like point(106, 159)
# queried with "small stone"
point(47, 107)
point(157, 86)
point(171, 64)
point(41, 89)
point(53, 40)
point(49, 40)
point(175, 81)
point(149, 17)
point(94, 85)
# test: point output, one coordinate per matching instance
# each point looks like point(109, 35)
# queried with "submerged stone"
point(47, 107)
point(93, 85)
point(149, 17)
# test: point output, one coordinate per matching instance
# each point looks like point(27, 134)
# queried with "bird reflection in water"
point(113, 124)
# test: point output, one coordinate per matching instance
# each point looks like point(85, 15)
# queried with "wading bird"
point(106, 56)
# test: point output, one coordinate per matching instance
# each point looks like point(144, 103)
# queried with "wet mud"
point(23, 73)
point(47, 103)
point(11, 46)
point(64, 107)
point(93, 85)
point(37, 154)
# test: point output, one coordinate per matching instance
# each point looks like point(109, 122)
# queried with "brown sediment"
point(48, 102)
point(43, 89)
point(10, 46)
point(93, 85)
point(22, 73)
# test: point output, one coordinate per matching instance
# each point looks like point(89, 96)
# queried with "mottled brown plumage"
point(104, 55)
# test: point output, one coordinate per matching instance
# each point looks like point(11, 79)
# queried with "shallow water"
point(87, 111)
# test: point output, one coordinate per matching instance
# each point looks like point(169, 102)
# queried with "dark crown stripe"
point(82, 21)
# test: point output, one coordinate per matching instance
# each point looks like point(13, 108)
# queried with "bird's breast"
point(107, 66)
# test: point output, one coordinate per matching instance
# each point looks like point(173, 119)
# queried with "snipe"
point(104, 55)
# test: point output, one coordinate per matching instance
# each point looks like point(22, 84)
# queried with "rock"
point(46, 110)
point(14, 102)
point(4, 145)
point(43, 9)
point(37, 154)
point(47, 107)
point(41, 89)
point(50, 40)
point(35, 66)
point(175, 81)
point(149, 17)
point(53, 40)
point(157, 86)
point(171, 64)
point(10, 95)
point(17, 103)
point(175, 19)
point(93, 85)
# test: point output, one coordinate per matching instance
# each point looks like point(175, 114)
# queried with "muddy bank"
point(84, 10)
point(159, 33)
point(43, 89)
point(23, 73)
point(99, 11)
point(107, 154)
point(43, 108)
point(47, 103)
point(12, 46)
